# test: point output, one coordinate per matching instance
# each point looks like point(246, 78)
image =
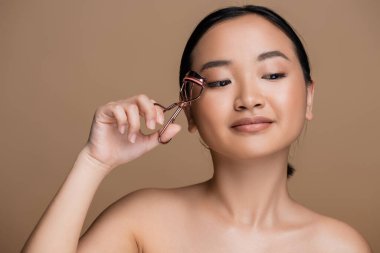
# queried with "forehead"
point(242, 37)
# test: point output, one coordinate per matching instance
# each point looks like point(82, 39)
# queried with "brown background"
point(59, 60)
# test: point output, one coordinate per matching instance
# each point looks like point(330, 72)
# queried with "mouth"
point(251, 124)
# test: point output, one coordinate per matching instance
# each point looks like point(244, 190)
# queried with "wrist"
point(92, 164)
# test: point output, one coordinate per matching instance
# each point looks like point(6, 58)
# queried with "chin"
point(251, 150)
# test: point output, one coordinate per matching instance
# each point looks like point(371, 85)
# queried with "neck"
point(250, 193)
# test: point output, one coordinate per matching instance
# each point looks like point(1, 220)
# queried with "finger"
point(120, 116)
point(133, 121)
point(147, 108)
point(159, 113)
point(104, 114)
point(160, 118)
point(170, 132)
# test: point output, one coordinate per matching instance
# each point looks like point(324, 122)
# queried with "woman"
point(258, 94)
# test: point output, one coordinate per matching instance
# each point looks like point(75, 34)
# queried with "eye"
point(274, 76)
point(218, 83)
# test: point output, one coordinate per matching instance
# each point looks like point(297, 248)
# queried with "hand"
point(115, 136)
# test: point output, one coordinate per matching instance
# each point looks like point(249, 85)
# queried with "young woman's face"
point(263, 108)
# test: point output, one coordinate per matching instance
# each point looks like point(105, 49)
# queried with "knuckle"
point(142, 97)
point(118, 107)
point(110, 104)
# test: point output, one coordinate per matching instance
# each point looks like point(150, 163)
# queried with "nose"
point(249, 96)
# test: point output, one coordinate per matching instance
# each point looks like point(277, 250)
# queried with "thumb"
point(170, 132)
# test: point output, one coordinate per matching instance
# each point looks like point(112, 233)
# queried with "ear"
point(192, 127)
point(309, 100)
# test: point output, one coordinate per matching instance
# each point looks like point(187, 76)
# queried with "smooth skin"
point(245, 206)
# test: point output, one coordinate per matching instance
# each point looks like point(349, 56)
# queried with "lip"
point(251, 124)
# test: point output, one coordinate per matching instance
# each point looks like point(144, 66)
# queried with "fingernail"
point(132, 138)
point(122, 129)
point(151, 124)
point(161, 119)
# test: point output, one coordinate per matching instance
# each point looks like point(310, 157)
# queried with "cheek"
point(210, 114)
point(291, 106)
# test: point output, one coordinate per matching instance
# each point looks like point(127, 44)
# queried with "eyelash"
point(270, 77)
point(274, 76)
point(218, 83)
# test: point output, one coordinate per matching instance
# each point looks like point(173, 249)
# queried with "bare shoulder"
point(146, 207)
point(124, 224)
point(332, 235)
point(145, 200)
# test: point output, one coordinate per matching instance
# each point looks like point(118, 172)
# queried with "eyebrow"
point(271, 54)
point(261, 57)
point(213, 64)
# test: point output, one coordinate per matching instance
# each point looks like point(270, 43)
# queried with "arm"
point(109, 145)
point(60, 227)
